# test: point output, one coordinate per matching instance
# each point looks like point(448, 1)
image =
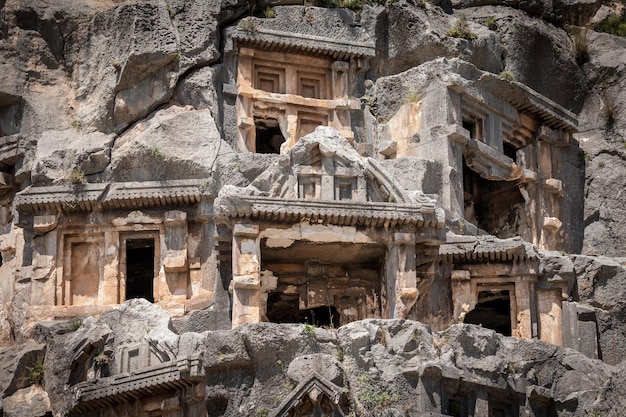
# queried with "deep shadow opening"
point(218, 406)
point(140, 269)
point(510, 151)
point(494, 206)
point(269, 138)
point(470, 127)
point(284, 308)
point(492, 311)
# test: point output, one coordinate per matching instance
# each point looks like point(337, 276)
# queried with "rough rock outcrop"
point(391, 366)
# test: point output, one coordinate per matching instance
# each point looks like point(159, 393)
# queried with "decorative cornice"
point(271, 40)
point(337, 212)
point(486, 249)
point(133, 195)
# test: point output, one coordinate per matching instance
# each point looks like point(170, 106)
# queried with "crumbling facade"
point(331, 231)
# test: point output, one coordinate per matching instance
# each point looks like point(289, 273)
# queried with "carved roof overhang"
point(486, 249)
point(337, 212)
point(130, 195)
point(528, 101)
point(150, 381)
point(275, 40)
point(9, 149)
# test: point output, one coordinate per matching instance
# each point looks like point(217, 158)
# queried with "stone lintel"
point(461, 275)
point(175, 218)
point(404, 238)
point(246, 282)
point(246, 230)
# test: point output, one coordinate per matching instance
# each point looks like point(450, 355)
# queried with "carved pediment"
point(324, 166)
point(315, 396)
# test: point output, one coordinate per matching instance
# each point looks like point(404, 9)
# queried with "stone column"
point(246, 283)
point(246, 137)
point(550, 315)
point(44, 254)
point(112, 290)
point(523, 296)
point(462, 298)
point(401, 275)
point(175, 262)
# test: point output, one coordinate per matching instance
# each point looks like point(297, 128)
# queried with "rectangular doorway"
point(140, 269)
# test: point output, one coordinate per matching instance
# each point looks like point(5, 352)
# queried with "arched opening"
point(492, 311)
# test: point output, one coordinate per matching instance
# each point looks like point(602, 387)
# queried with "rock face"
point(229, 208)
point(393, 367)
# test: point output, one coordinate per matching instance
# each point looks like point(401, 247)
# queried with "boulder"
point(69, 156)
point(174, 143)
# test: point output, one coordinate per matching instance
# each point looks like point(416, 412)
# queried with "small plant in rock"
point(581, 42)
point(507, 76)
point(248, 25)
point(35, 372)
point(262, 412)
point(356, 5)
point(610, 110)
point(413, 97)
point(269, 12)
point(308, 329)
point(490, 22)
point(461, 29)
point(155, 152)
point(340, 354)
point(102, 359)
point(77, 124)
point(77, 176)
point(510, 368)
point(75, 325)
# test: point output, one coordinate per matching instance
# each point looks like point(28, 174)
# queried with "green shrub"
point(507, 76)
point(269, 12)
point(35, 372)
point(614, 24)
point(490, 22)
point(461, 29)
point(308, 329)
point(77, 176)
point(247, 25)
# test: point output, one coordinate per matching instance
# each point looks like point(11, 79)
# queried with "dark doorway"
point(140, 269)
point(497, 207)
point(268, 136)
point(283, 308)
point(492, 311)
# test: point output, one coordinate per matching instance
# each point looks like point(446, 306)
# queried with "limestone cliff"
point(472, 171)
